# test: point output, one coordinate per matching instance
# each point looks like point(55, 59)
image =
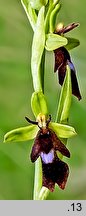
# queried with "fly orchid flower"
point(45, 145)
point(47, 142)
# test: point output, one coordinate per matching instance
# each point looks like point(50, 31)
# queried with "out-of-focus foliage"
point(16, 169)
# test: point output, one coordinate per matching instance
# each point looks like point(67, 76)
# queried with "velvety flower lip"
point(62, 59)
point(56, 172)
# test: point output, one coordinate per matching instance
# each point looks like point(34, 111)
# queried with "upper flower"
point(62, 59)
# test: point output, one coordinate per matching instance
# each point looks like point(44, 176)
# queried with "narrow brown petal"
point(35, 152)
point(58, 145)
point(75, 87)
point(36, 149)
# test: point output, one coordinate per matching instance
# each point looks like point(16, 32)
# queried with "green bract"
point(72, 43)
point(21, 134)
point(37, 50)
point(61, 130)
point(31, 14)
point(53, 16)
point(54, 41)
point(38, 104)
point(52, 5)
point(65, 99)
point(37, 4)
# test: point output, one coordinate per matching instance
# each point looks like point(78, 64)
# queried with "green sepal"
point(31, 14)
point(38, 104)
point(54, 41)
point(72, 43)
point(61, 130)
point(53, 17)
point(37, 50)
point(65, 99)
point(21, 134)
point(37, 4)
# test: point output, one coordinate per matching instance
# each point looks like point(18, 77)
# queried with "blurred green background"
point(16, 169)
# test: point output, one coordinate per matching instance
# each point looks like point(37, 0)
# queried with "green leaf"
point(38, 104)
point(21, 134)
point(53, 17)
point(65, 99)
point(31, 14)
point(72, 43)
point(37, 4)
point(61, 130)
point(37, 50)
point(54, 41)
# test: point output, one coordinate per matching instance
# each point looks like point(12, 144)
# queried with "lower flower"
point(54, 170)
point(46, 145)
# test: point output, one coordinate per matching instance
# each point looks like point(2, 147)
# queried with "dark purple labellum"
point(54, 170)
point(62, 59)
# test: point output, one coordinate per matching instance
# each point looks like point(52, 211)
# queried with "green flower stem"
point(37, 179)
point(38, 63)
point(64, 103)
point(50, 2)
point(43, 193)
point(62, 115)
point(38, 165)
point(50, 9)
point(53, 16)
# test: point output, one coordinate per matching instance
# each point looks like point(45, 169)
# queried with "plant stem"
point(39, 192)
point(43, 193)
point(37, 179)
